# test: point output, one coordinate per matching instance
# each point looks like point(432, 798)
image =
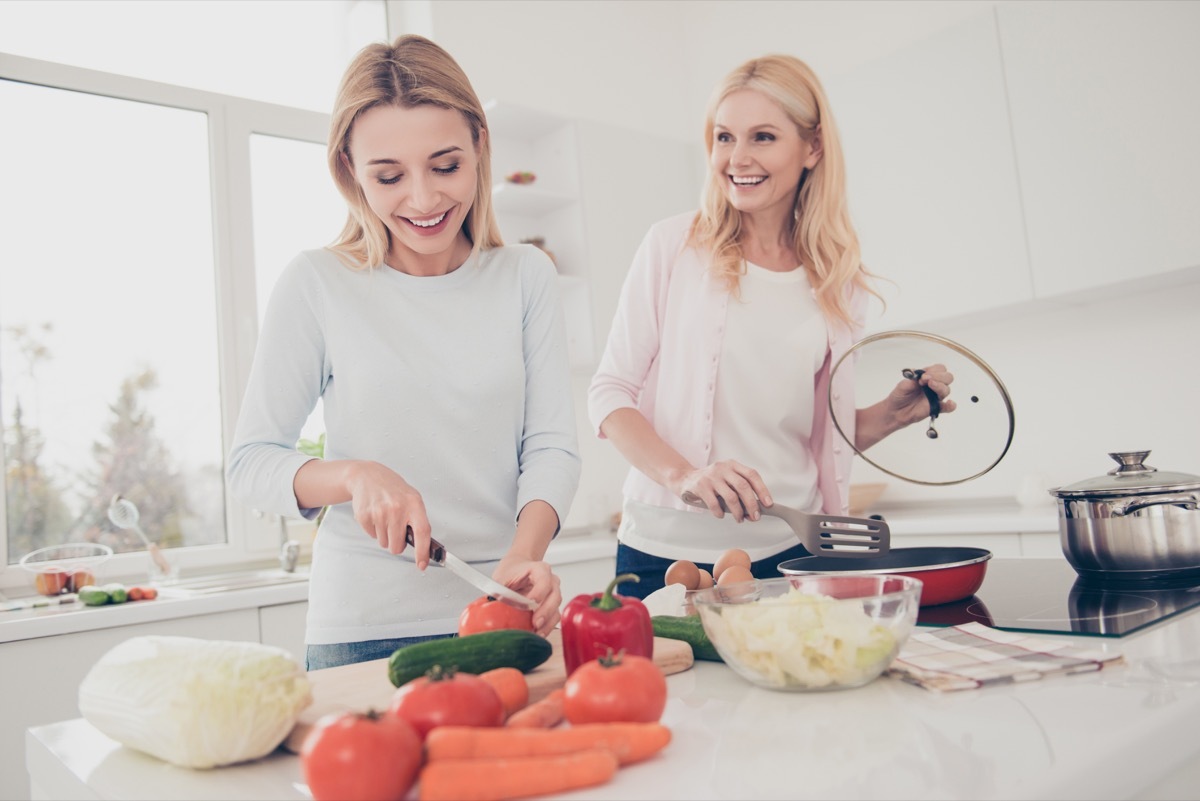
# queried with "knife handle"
point(437, 551)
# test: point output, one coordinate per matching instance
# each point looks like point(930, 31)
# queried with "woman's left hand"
point(907, 402)
point(533, 579)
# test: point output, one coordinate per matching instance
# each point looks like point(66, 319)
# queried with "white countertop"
point(969, 517)
point(1115, 733)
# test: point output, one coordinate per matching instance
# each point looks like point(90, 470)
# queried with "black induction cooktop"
point(1048, 596)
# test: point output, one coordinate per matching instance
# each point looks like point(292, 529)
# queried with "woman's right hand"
point(386, 505)
point(739, 486)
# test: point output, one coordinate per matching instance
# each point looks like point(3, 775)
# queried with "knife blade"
point(489, 586)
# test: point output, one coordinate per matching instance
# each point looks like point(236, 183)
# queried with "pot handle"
point(1184, 501)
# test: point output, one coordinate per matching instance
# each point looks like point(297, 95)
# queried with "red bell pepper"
point(593, 624)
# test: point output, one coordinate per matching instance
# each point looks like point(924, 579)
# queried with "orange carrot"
point(522, 777)
point(544, 714)
point(628, 742)
point(509, 683)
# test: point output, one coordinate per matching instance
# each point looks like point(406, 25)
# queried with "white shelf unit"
point(528, 140)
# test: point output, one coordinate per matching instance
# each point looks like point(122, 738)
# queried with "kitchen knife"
point(440, 556)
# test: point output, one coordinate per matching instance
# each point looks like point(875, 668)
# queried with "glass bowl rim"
point(31, 563)
point(707, 596)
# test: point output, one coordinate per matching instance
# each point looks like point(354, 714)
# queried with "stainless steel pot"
point(1135, 523)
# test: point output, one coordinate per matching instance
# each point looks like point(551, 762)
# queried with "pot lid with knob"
point(1131, 476)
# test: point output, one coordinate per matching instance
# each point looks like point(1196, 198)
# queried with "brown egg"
point(683, 572)
point(734, 556)
point(734, 574)
point(706, 580)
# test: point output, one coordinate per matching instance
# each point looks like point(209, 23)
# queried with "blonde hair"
point(412, 71)
point(823, 236)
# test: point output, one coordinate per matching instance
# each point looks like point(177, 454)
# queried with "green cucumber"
point(116, 593)
point(474, 653)
point(690, 630)
point(91, 595)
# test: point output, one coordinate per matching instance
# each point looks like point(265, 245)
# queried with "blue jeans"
point(318, 657)
point(651, 570)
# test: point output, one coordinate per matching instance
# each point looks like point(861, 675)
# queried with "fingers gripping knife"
point(443, 558)
point(825, 535)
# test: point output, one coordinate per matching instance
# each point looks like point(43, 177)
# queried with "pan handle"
point(1183, 501)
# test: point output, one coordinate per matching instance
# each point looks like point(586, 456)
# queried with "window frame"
point(252, 536)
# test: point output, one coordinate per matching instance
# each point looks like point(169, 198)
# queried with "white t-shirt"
point(773, 344)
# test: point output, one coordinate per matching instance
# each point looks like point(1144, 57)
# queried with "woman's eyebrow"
point(437, 154)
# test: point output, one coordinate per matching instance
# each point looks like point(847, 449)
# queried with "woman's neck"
point(405, 260)
point(766, 240)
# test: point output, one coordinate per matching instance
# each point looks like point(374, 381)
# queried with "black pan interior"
point(895, 559)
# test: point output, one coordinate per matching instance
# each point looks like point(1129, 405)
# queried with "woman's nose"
point(424, 197)
point(740, 156)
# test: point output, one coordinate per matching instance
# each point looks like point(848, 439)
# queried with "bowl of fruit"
point(65, 568)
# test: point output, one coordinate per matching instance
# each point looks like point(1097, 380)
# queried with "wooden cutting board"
point(365, 685)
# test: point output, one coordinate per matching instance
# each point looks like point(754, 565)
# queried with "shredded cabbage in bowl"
point(800, 641)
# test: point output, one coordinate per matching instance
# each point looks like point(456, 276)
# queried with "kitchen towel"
point(973, 655)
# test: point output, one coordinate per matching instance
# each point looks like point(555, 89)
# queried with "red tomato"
point(623, 688)
point(350, 756)
point(488, 614)
point(447, 699)
point(136, 593)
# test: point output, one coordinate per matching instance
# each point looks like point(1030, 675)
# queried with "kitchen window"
point(142, 225)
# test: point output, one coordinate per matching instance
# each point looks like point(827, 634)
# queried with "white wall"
point(1106, 373)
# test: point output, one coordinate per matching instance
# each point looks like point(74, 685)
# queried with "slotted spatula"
point(825, 535)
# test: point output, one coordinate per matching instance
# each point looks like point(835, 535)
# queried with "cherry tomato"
point(352, 756)
point(447, 698)
point(620, 688)
point(488, 614)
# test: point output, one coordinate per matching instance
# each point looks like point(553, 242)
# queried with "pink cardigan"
point(662, 354)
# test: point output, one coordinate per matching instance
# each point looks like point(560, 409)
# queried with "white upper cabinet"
point(528, 140)
point(932, 177)
point(1105, 104)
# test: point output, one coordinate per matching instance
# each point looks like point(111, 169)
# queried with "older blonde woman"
point(718, 363)
point(440, 356)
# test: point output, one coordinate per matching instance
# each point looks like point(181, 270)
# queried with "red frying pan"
point(947, 574)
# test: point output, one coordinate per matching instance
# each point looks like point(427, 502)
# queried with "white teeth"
point(428, 223)
point(746, 180)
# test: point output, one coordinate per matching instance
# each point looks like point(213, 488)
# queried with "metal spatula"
point(825, 535)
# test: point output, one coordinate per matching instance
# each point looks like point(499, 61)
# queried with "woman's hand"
point(533, 579)
point(739, 486)
point(906, 404)
point(386, 506)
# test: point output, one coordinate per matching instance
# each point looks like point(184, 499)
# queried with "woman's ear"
point(346, 161)
point(481, 141)
point(816, 150)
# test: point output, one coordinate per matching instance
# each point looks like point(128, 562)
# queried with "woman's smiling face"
point(757, 153)
point(418, 169)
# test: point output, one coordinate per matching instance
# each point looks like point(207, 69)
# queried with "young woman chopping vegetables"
point(718, 364)
point(440, 357)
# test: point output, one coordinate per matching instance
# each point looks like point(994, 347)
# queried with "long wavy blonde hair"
point(824, 238)
point(412, 71)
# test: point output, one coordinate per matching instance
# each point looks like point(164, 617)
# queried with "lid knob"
point(1130, 462)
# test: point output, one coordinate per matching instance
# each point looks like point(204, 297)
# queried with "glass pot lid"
point(947, 449)
point(1131, 476)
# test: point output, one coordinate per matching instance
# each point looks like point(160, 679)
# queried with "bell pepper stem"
point(607, 601)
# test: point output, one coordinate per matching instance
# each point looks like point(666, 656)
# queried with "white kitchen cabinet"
point(1105, 120)
point(282, 625)
point(41, 677)
point(932, 178)
point(527, 140)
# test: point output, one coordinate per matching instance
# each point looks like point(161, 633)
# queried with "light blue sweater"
point(460, 383)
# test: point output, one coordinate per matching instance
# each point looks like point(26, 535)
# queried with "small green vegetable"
point(116, 592)
point(91, 595)
point(474, 653)
point(690, 630)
